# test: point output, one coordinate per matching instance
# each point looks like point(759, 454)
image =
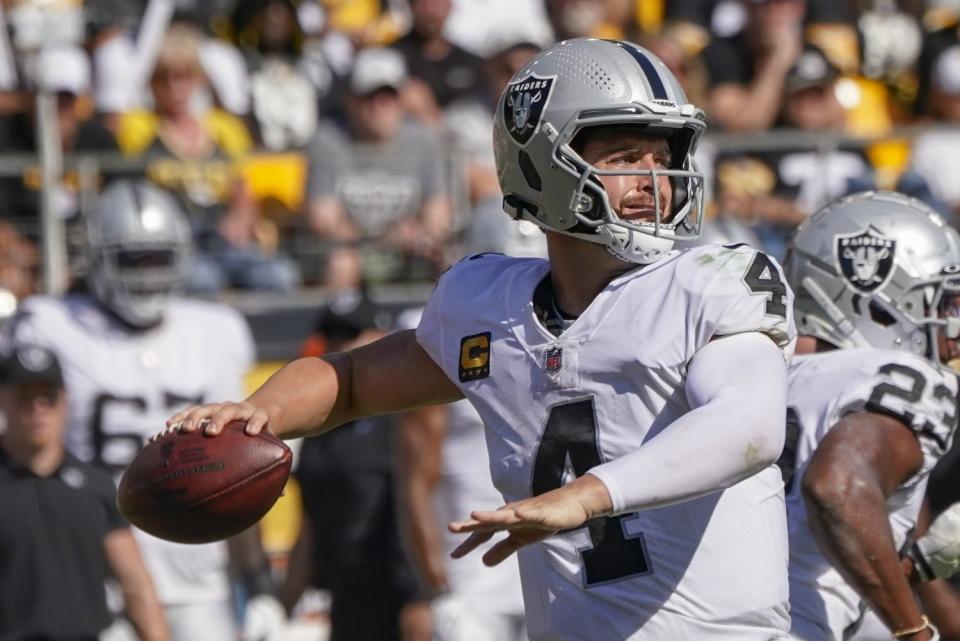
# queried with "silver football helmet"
point(875, 269)
point(139, 244)
point(581, 83)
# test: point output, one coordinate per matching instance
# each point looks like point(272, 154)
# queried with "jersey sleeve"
point(430, 330)
point(35, 321)
point(913, 391)
point(744, 291)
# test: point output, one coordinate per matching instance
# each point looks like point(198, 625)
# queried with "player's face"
point(632, 196)
point(949, 348)
point(36, 413)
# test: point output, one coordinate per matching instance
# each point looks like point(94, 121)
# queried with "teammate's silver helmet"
point(139, 245)
point(871, 269)
point(585, 82)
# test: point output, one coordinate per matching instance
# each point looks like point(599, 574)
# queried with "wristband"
point(925, 623)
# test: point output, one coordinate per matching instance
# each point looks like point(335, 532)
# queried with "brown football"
point(191, 488)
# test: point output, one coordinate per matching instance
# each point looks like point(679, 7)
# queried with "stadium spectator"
point(62, 536)
point(379, 182)
point(774, 191)
point(64, 71)
point(934, 152)
point(286, 78)
point(194, 155)
point(747, 71)
point(350, 542)
point(440, 71)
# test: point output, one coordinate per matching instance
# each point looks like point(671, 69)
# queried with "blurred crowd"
point(317, 141)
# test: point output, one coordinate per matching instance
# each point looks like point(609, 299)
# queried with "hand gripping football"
point(191, 488)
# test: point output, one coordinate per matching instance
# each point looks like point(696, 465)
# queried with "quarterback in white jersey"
point(131, 353)
point(876, 277)
point(556, 406)
point(633, 396)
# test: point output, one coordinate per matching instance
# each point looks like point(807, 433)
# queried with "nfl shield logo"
point(553, 360)
point(865, 259)
point(524, 104)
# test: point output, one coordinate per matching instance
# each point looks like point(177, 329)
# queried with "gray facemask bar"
point(951, 325)
point(846, 328)
point(627, 115)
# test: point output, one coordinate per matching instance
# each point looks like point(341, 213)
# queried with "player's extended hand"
point(936, 555)
point(213, 416)
point(534, 519)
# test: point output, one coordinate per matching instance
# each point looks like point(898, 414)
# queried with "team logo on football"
point(553, 359)
point(865, 259)
point(524, 105)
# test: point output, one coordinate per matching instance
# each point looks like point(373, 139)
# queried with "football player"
point(636, 463)
point(871, 407)
point(132, 352)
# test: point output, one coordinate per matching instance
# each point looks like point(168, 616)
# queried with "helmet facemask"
point(137, 283)
point(139, 246)
point(641, 241)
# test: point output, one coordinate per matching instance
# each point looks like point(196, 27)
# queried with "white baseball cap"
point(946, 71)
point(377, 67)
point(64, 69)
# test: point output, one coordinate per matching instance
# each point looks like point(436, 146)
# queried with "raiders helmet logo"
point(524, 104)
point(865, 260)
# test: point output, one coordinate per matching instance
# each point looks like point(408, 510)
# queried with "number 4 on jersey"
point(764, 278)
point(571, 436)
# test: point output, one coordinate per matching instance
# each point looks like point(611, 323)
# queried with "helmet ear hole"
point(879, 315)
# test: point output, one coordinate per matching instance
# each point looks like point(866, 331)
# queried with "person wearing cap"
point(350, 542)
point(934, 153)
point(62, 534)
point(379, 182)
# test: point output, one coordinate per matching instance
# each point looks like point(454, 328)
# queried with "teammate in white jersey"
point(632, 396)
point(876, 275)
point(131, 354)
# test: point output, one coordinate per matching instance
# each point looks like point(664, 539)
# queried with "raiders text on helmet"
point(139, 245)
point(585, 82)
point(870, 270)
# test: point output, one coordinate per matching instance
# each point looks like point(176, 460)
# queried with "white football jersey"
point(553, 407)
point(123, 385)
point(824, 387)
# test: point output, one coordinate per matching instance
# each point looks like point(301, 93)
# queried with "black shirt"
point(459, 76)
point(52, 560)
point(346, 483)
